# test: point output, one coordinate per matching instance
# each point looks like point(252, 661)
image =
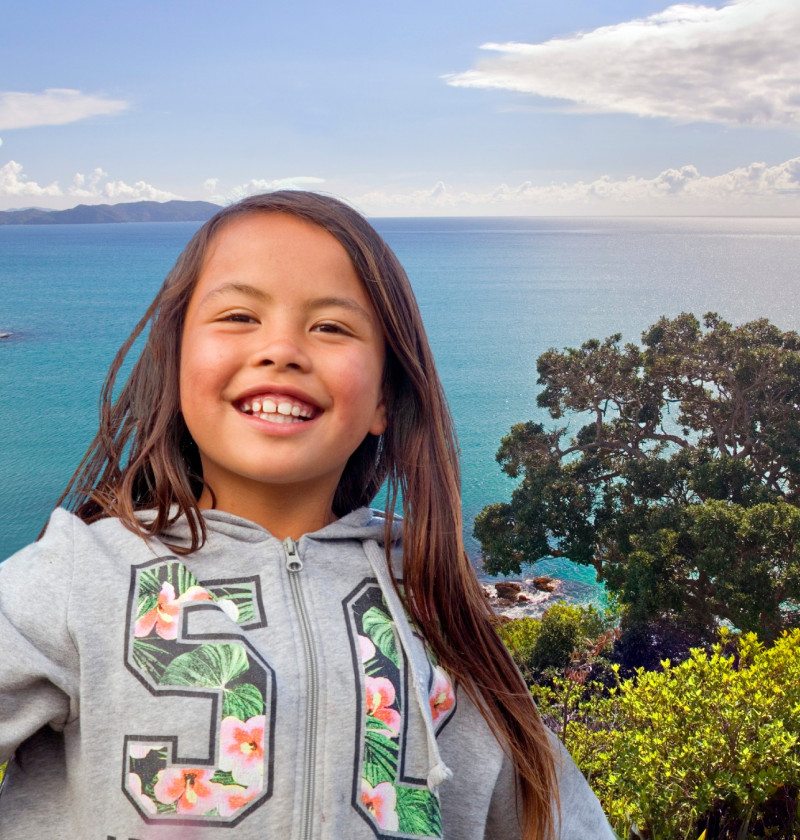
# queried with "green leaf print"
point(380, 754)
point(378, 626)
point(185, 578)
point(207, 666)
point(223, 777)
point(418, 812)
point(242, 702)
point(149, 584)
point(242, 596)
point(146, 657)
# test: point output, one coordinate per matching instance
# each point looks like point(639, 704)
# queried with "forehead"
point(284, 255)
point(274, 239)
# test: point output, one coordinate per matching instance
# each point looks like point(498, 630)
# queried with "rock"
point(522, 598)
point(507, 589)
point(544, 584)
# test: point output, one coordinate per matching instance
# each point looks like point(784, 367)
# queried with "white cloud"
point(56, 106)
point(14, 182)
point(93, 186)
point(756, 188)
point(738, 64)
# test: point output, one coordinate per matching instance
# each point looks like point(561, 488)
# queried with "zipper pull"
point(293, 561)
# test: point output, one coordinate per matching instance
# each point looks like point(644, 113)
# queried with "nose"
point(283, 351)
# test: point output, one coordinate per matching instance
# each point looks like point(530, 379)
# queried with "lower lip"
point(278, 429)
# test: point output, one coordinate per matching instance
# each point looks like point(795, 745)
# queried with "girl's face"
point(282, 361)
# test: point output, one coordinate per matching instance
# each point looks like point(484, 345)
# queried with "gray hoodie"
point(253, 689)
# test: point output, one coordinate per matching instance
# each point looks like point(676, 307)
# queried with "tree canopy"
point(681, 482)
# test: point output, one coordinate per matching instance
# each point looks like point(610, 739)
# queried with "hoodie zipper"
point(294, 565)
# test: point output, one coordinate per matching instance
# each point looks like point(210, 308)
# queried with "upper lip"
point(279, 391)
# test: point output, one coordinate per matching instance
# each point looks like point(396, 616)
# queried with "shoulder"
point(68, 542)
point(581, 814)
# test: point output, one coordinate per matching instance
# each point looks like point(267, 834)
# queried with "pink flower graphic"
point(366, 647)
point(191, 788)
point(380, 695)
point(231, 799)
point(442, 696)
point(381, 802)
point(164, 615)
point(242, 753)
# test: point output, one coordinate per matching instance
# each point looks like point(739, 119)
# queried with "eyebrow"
point(263, 297)
point(242, 288)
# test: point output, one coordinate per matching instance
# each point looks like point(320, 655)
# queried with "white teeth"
point(279, 418)
point(281, 412)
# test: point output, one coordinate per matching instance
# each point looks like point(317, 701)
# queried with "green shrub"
point(520, 637)
point(550, 642)
point(712, 744)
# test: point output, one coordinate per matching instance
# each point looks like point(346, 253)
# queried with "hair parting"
point(143, 459)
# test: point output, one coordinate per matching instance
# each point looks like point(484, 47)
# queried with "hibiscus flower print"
point(242, 753)
point(442, 697)
point(231, 799)
point(381, 802)
point(366, 648)
point(164, 615)
point(380, 696)
point(191, 789)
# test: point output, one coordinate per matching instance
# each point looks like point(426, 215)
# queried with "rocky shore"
point(532, 597)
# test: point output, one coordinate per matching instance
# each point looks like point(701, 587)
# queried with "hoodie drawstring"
point(438, 771)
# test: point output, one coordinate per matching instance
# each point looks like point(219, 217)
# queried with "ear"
point(380, 421)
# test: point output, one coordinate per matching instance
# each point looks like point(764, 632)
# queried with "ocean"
point(495, 293)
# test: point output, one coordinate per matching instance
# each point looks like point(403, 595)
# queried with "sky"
point(426, 107)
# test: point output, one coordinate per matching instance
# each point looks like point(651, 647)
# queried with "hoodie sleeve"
point(38, 659)
point(581, 816)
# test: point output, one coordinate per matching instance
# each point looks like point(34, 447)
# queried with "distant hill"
point(135, 211)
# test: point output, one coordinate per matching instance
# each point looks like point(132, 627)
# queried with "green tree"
point(681, 484)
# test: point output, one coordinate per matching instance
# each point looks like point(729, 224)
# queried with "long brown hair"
point(144, 458)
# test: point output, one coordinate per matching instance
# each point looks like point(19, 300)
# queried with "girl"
point(222, 640)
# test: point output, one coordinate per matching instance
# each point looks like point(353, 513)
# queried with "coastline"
point(534, 596)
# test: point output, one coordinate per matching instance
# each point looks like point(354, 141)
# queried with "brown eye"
point(334, 329)
point(239, 318)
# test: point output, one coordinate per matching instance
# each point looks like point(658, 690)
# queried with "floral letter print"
point(236, 775)
point(393, 805)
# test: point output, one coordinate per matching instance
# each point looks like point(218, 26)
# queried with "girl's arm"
point(38, 659)
point(582, 817)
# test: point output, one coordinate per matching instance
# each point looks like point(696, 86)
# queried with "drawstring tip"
point(438, 774)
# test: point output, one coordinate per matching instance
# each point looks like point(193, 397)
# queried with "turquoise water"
point(495, 294)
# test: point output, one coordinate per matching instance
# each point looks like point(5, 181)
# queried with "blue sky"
point(512, 107)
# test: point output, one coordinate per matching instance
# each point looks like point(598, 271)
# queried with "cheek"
point(200, 371)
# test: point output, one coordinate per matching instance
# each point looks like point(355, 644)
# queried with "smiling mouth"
point(277, 409)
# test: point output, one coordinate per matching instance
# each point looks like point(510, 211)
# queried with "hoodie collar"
point(360, 524)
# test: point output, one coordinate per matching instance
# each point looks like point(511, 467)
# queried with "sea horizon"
point(495, 293)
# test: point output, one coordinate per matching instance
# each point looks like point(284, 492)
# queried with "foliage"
point(712, 744)
point(549, 642)
point(682, 486)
